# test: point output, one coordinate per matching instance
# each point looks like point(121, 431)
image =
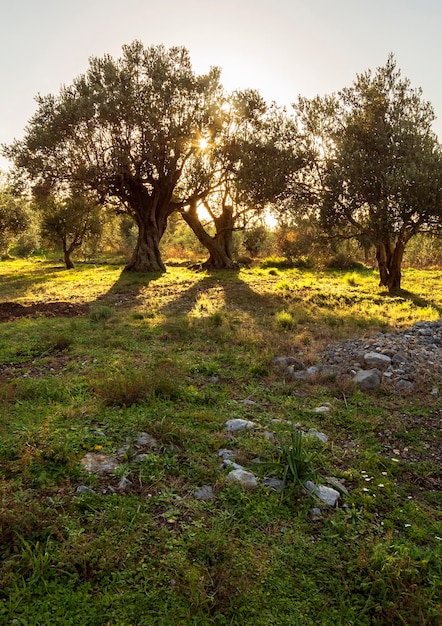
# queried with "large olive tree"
point(125, 130)
point(376, 168)
point(249, 156)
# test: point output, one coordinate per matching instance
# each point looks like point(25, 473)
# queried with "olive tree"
point(69, 222)
point(376, 167)
point(124, 130)
point(14, 215)
point(248, 158)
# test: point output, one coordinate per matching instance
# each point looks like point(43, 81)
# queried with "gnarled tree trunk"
point(146, 256)
point(220, 245)
point(150, 213)
point(389, 258)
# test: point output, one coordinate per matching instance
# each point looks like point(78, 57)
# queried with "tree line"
point(144, 137)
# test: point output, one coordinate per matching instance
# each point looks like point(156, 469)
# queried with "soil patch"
point(12, 310)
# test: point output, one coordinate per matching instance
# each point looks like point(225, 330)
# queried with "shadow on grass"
point(235, 292)
point(418, 301)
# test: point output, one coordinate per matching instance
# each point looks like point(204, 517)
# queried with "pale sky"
point(280, 47)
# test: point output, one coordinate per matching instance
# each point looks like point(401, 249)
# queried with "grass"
point(176, 356)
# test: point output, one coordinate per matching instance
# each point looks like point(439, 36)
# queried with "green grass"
point(175, 355)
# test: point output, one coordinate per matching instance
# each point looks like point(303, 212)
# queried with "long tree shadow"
point(418, 301)
point(226, 287)
point(126, 291)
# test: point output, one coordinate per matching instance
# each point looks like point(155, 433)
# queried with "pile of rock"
point(403, 360)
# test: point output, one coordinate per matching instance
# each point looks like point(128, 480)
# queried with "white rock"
point(243, 478)
point(239, 424)
point(325, 494)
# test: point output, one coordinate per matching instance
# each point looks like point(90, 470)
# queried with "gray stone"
point(144, 439)
point(242, 478)
point(234, 425)
point(315, 514)
point(204, 493)
point(334, 482)
point(231, 464)
point(374, 359)
point(315, 433)
point(283, 362)
point(224, 453)
point(368, 380)
point(325, 494)
point(125, 483)
point(404, 385)
point(435, 392)
point(274, 483)
point(84, 489)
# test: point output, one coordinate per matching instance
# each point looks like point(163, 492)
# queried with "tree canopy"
point(124, 130)
point(376, 171)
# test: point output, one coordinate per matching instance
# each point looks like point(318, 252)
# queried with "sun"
point(203, 143)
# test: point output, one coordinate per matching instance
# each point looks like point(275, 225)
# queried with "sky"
point(282, 48)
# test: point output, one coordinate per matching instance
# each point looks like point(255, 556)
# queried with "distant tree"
point(14, 217)
point(69, 222)
point(126, 129)
point(248, 159)
point(376, 167)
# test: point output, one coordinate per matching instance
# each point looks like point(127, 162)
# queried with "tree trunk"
point(67, 251)
point(389, 258)
point(219, 246)
point(146, 256)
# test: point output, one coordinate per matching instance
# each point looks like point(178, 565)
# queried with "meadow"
point(93, 360)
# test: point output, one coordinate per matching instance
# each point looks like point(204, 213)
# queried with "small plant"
point(284, 320)
point(297, 462)
point(101, 313)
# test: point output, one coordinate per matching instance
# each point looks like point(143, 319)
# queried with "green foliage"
point(376, 165)
point(296, 460)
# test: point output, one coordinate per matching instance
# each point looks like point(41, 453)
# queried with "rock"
point(368, 380)
point(374, 359)
point(232, 465)
point(314, 433)
point(84, 489)
point(274, 483)
point(326, 494)
point(337, 484)
point(234, 425)
point(404, 385)
point(283, 362)
point(322, 409)
point(435, 392)
point(224, 453)
point(242, 478)
point(416, 355)
point(204, 493)
point(99, 463)
point(125, 483)
point(315, 514)
point(144, 439)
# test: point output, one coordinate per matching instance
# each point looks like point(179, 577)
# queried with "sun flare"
point(203, 143)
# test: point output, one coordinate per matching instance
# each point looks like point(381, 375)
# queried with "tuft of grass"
point(101, 313)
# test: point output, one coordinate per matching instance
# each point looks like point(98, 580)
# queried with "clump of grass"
point(101, 313)
point(285, 320)
point(296, 460)
point(132, 386)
